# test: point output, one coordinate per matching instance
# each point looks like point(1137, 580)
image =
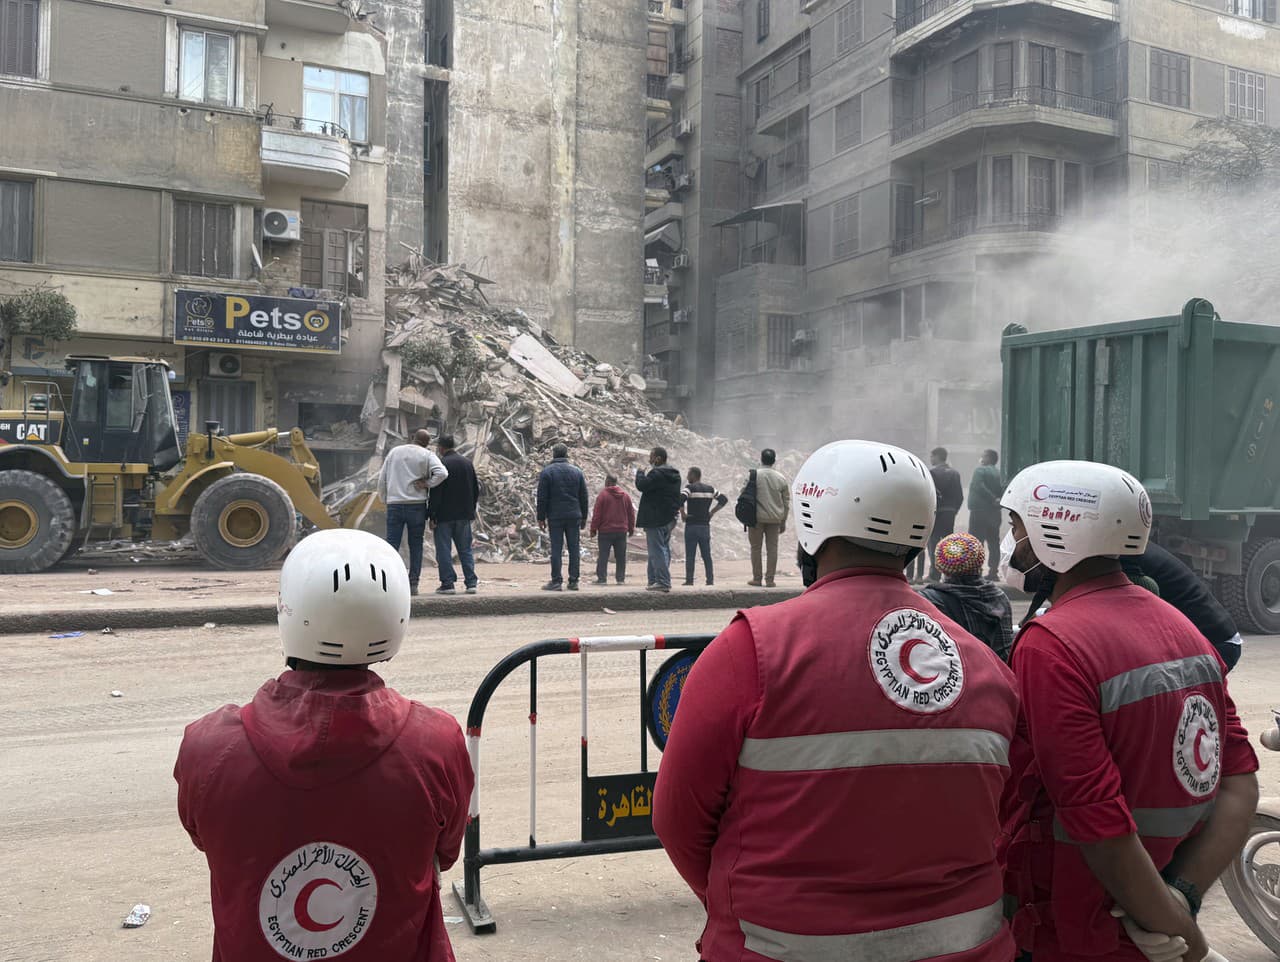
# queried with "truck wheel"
point(1253, 598)
point(243, 521)
point(37, 522)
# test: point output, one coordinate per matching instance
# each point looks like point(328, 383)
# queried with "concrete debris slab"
point(541, 363)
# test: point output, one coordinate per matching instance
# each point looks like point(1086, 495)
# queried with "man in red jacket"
point(613, 520)
point(1133, 783)
point(831, 785)
point(328, 805)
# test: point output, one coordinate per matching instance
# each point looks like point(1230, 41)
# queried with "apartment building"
point(190, 176)
point(899, 167)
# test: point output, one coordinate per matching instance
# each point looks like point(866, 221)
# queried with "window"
point(119, 398)
point(203, 239)
point(904, 100)
point(230, 403)
point(762, 95)
point(1104, 75)
point(848, 123)
point(1040, 199)
point(1004, 70)
point(336, 97)
point(206, 67)
point(844, 227)
point(1170, 78)
point(1072, 190)
point(334, 241)
point(762, 19)
point(1001, 189)
point(1042, 67)
point(964, 184)
point(19, 37)
point(904, 213)
point(964, 77)
point(1253, 9)
point(848, 27)
point(781, 330)
point(850, 313)
point(1073, 81)
point(17, 220)
point(804, 70)
point(1246, 95)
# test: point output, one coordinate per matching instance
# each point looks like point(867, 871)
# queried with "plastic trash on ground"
point(137, 918)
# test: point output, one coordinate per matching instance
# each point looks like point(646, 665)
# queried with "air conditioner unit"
point(930, 198)
point(684, 181)
point(681, 259)
point(281, 225)
point(804, 336)
point(684, 129)
point(224, 365)
point(682, 316)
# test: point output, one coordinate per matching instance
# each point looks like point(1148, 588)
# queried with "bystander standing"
point(773, 503)
point(407, 474)
point(985, 490)
point(699, 503)
point(612, 520)
point(450, 511)
point(562, 512)
point(659, 504)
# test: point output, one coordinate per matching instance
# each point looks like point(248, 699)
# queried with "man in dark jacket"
point(950, 488)
point(659, 504)
point(451, 510)
point(562, 509)
point(985, 490)
point(978, 606)
point(328, 806)
point(612, 520)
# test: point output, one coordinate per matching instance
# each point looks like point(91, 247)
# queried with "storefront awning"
point(762, 212)
point(668, 235)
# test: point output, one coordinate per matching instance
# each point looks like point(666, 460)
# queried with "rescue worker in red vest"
point(328, 805)
point(831, 785)
point(1133, 782)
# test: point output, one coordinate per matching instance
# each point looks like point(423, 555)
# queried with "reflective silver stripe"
point(915, 746)
point(1149, 680)
point(1156, 822)
point(908, 943)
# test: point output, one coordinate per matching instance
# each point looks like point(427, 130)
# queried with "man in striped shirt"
point(699, 503)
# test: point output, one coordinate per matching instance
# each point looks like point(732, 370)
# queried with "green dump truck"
point(1185, 403)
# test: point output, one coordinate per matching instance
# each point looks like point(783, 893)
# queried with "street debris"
point(508, 392)
point(608, 611)
point(68, 634)
point(98, 591)
point(107, 631)
point(209, 624)
point(116, 693)
point(138, 916)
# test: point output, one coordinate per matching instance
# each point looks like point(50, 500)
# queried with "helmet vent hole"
point(347, 569)
point(917, 527)
point(915, 537)
point(384, 581)
point(890, 456)
point(330, 644)
point(373, 572)
point(329, 654)
point(883, 466)
point(877, 530)
point(884, 521)
point(1132, 489)
point(335, 580)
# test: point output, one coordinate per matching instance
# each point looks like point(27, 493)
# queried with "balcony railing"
point(657, 7)
point(920, 13)
point(655, 87)
point(270, 118)
point(1007, 97)
point(1033, 221)
point(780, 98)
point(783, 171)
point(654, 275)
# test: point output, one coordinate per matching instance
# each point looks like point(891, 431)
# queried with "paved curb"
point(459, 606)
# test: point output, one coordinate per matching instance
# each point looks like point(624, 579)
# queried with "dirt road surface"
point(89, 824)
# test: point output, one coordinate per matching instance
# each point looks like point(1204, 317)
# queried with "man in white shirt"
point(408, 473)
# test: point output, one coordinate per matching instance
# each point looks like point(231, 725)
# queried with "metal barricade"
point(634, 803)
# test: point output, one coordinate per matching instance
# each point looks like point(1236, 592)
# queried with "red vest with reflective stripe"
point(1159, 691)
point(867, 793)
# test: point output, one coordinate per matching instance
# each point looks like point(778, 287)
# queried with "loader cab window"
point(121, 402)
point(122, 412)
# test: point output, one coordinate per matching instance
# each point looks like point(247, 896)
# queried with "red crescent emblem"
point(302, 910)
point(904, 659)
point(1200, 762)
point(1035, 492)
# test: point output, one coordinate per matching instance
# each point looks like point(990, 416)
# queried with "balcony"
point(985, 225)
point(666, 142)
point(677, 83)
point(655, 284)
point(671, 210)
point(932, 21)
point(667, 11)
point(779, 175)
point(782, 102)
point(306, 152)
point(1088, 117)
point(657, 99)
point(319, 16)
point(660, 339)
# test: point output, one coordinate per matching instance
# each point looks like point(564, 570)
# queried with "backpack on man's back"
point(745, 508)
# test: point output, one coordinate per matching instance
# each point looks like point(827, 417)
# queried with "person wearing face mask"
point(1133, 783)
point(799, 790)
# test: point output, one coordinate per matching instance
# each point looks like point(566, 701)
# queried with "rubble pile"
point(508, 391)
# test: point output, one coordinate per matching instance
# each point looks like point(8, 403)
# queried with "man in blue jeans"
point(562, 510)
point(407, 474)
point(659, 505)
point(450, 511)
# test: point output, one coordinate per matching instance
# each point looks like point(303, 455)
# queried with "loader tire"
point(37, 522)
point(1253, 598)
point(243, 522)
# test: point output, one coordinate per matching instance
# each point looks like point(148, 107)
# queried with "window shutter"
point(1269, 11)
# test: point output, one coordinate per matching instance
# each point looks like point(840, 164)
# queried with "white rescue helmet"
point(864, 491)
point(344, 599)
point(1075, 510)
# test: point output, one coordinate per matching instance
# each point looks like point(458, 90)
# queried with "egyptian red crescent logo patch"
point(318, 902)
point(1197, 746)
point(915, 662)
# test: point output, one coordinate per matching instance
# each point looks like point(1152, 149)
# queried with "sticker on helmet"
point(318, 902)
point(917, 664)
point(1197, 749)
point(1144, 508)
point(1066, 494)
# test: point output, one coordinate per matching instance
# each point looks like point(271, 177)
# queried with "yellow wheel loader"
point(109, 465)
